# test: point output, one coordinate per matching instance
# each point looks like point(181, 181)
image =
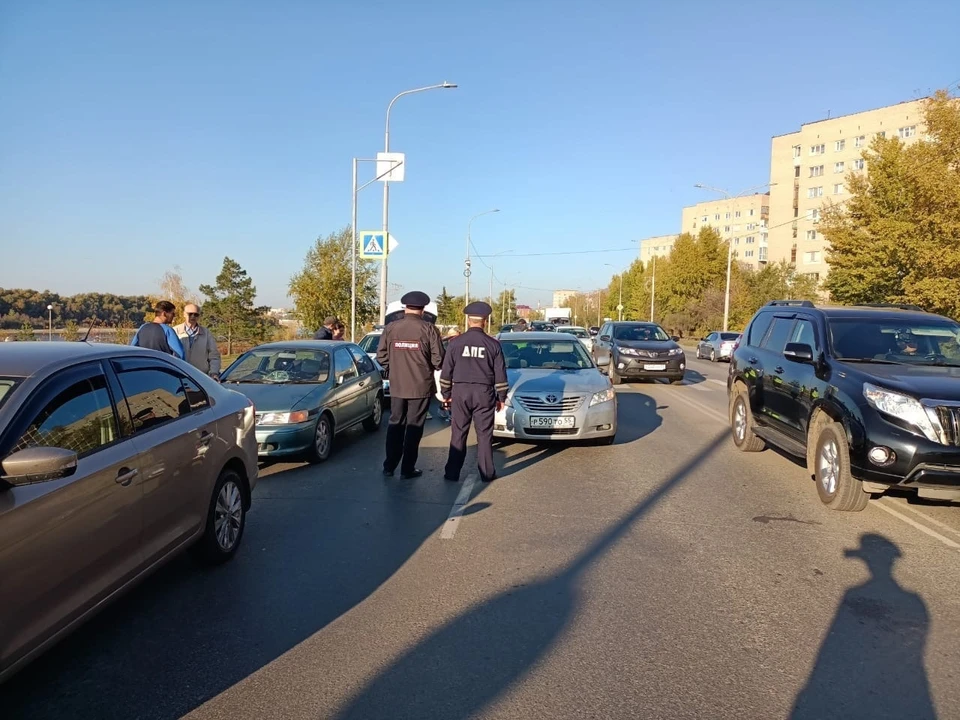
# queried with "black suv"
point(869, 396)
point(638, 350)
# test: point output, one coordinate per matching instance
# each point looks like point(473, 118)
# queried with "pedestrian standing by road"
point(410, 351)
point(199, 344)
point(520, 326)
point(339, 331)
point(326, 332)
point(159, 335)
point(474, 384)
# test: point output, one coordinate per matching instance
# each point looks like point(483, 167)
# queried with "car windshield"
point(543, 327)
point(575, 331)
point(280, 365)
point(370, 342)
point(546, 355)
point(6, 388)
point(729, 336)
point(893, 340)
point(639, 333)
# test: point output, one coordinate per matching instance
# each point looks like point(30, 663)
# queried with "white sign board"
point(391, 166)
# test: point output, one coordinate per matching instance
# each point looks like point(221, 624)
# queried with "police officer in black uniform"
point(410, 351)
point(474, 382)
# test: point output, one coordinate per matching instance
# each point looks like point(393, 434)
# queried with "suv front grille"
point(565, 403)
point(949, 430)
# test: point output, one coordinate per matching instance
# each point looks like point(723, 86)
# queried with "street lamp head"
point(495, 210)
point(49, 307)
point(448, 85)
point(699, 185)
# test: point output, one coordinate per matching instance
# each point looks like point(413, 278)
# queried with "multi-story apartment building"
point(810, 167)
point(741, 221)
point(561, 296)
point(658, 246)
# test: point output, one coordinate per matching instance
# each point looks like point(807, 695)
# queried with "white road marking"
point(932, 521)
point(456, 512)
point(919, 526)
point(702, 387)
point(721, 383)
point(709, 412)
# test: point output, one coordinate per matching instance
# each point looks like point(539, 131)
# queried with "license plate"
point(658, 366)
point(552, 422)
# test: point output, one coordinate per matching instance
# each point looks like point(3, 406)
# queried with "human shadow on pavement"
point(871, 663)
point(320, 540)
point(469, 662)
point(637, 417)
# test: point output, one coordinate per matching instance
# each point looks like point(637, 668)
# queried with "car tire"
point(612, 373)
point(741, 425)
point(837, 488)
point(713, 355)
point(372, 423)
point(322, 439)
point(699, 357)
point(226, 520)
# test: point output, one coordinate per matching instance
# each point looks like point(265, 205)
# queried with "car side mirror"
point(340, 379)
point(601, 362)
point(605, 338)
point(675, 338)
point(38, 464)
point(798, 352)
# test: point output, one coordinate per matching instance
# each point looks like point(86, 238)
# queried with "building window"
point(717, 216)
point(727, 217)
point(811, 234)
point(703, 219)
point(813, 214)
point(811, 257)
point(859, 164)
point(882, 134)
point(748, 253)
point(816, 171)
point(751, 212)
point(751, 226)
point(736, 241)
point(793, 254)
point(838, 189)
point(814, 276)
point(737, 214)
point(762, 255)
point(750, 239)
point(817, 149)
point(796, 171)
point(908, 132)
point(796, 151)
point(726, 228)
point(815, 192)
point(839, 145)
point(838, 167)
point(859, 141)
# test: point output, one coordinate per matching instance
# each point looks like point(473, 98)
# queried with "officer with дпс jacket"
point(474, 381)
point(410, 351)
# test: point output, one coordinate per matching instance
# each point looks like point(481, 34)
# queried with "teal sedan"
point(307, 392)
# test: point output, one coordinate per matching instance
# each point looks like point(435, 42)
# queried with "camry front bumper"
point(598, 421)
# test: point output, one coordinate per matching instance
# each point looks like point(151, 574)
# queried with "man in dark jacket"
point(159, 334)
point(326, 332)
point(410, 351)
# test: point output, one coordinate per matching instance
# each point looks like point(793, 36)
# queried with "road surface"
point(666, 576)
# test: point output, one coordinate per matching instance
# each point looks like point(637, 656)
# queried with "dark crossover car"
point(868, 396)
point(638, 350)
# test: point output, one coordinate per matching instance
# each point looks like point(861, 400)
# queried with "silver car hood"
point(528, 380)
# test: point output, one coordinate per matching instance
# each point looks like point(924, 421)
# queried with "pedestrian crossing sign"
point(372, 245)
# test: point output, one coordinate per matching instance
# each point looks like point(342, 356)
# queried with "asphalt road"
point(667, 576)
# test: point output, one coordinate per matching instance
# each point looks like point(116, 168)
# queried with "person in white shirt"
point(199, 345)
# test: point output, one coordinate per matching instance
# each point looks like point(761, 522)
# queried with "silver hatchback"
point(114, 459)
point(556, 391)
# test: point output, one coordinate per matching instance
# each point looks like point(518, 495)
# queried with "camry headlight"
point(602, 397)
point(902, 407)
point(627, 351)
point(676, 351)
point(284, 418)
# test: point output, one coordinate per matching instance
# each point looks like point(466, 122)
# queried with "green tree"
point(897, 239)
point(26, 332)
point(229, 308)
point(71, 331)
point(504, 311)
point(322, 287)
point(450, 308)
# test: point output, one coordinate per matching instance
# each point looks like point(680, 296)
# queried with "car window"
point(6, 388)
point(265, 365)
point(640, 333)
point(370, 343)
point(363, 361)
point(803, 332)
point(758, 328)
point(549, 354)
point(79, 418)
point(196, 398)
point(711, 337)
point(155, 397)
point(778, 335)
point(728, 335)
point(343, 366)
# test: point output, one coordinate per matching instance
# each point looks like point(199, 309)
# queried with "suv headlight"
point(284, 418)
point(902, 407)
point(627, 351)
point(676, 351)
point(602, 397)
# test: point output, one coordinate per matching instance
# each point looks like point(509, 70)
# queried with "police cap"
point(478, 309)
point(415, 299)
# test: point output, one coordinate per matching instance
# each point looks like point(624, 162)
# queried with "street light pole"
point(466, 264)
point(50, 321)
point(620, 303)
point(653, 287)
point(386, 195)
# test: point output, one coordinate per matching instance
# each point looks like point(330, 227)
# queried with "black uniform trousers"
point(404, 433)
point(477, 403)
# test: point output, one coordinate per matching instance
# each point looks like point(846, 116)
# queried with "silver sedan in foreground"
point(556, 391)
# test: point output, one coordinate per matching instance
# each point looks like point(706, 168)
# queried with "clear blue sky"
point(135, 136)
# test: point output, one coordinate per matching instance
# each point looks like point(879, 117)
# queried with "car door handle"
point(752, 361)
point(126, 476)
point(362, 383)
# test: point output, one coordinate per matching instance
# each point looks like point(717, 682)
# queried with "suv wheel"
point(612, 373)
point(837, 488)
point(741, 424)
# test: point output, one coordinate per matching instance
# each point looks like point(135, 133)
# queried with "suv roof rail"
point(790, 303)
point(894, 306)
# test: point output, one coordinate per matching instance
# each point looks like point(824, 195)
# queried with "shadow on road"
point(871, 663)
point(637, 417)
point(320, 539)
point(465, 665)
